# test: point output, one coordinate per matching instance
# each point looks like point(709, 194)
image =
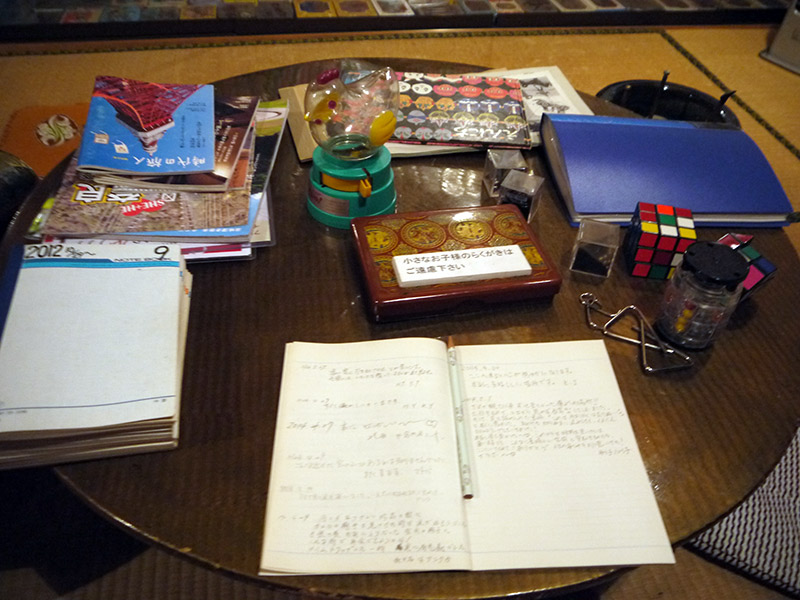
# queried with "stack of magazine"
point(92, 341)
point(170, 163)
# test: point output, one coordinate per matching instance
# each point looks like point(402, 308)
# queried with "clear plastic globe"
point(351, 110)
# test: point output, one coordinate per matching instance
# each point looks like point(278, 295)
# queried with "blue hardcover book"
point(138, 127)
point(603, 166)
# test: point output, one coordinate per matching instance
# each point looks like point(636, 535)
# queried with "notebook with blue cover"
point(603, 166)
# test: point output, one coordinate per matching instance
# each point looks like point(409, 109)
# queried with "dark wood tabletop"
point(707, 435)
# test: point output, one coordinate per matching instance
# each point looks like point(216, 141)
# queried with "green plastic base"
point(337, 208)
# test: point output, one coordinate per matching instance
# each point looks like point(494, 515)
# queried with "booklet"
point(412, 455)
point(139, 127)
point(85, 209)
point(42, 136)
point(461, 110)
point(234, 120)
point(544, 90)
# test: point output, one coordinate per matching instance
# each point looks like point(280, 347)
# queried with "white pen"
point(465, 467)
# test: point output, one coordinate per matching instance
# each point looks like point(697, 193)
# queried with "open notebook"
point(407, 455)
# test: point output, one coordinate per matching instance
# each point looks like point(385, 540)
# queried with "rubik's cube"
point(656, 240)
point(760, 269)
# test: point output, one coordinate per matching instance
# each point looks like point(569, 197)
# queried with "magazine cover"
point(233, 117)
point(232, 234)
point(83, 208)
point(270, 123)
point(138, 127)
point(467, 110)
point(544, 90)
point(43, 136)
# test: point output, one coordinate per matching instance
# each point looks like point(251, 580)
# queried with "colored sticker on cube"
point(656, 239)
point(760, 270)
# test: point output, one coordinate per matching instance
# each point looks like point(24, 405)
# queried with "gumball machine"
point(351, 114)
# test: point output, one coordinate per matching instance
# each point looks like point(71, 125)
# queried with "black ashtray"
point(672, 101)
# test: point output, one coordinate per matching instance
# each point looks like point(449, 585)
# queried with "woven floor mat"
point(761, 537)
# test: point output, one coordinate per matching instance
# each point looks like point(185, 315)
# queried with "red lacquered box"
point(382, 237)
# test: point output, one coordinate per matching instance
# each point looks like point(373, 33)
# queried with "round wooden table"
point(708, 435)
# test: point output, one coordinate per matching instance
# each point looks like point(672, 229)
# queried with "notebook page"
point(364, 471)
point(91, 338)
point(558, 478)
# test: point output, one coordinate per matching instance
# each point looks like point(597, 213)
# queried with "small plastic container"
point(351, 109)
point(522, 189)
point(701, 295)
point(498, 164)
point(595, 248)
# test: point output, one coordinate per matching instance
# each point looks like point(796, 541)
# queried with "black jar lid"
point(715, 264)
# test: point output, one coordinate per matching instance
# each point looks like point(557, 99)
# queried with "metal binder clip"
point(646, 339)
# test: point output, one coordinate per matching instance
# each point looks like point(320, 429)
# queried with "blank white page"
point(91, 338)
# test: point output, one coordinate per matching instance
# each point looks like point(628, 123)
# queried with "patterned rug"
point(761, 538)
